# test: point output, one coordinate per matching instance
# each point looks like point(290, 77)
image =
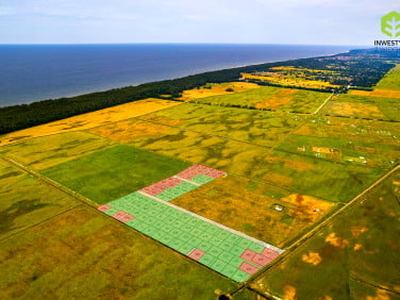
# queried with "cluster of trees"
point(365, 71)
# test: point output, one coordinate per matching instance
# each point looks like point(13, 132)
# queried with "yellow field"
point(127, 130)
point(218, 89)
point(308, 208)
point(377, 93)
point(90, 120)
point(362, 110)
point(302, 70)
point(321, 150)
point(279, 99)
point(291, 81)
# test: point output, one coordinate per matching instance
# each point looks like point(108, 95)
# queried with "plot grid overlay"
point(229, 252)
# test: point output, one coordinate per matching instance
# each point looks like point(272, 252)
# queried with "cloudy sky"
point(342, 22)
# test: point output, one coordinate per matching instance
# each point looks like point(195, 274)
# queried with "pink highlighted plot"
point(160, 186)
point(261, 260)
point(249, 269)
point(248, 254)
point(122, 216)
point(104, 208)
point(196, 254)
point(195, 170)
point(270, 254)
point(126, 218)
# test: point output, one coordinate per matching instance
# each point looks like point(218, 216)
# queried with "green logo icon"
point(390, 24)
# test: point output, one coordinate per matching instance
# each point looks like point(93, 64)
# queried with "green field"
point(83, 254)
point(114, 172)
point(391, 80)
point(359, 246)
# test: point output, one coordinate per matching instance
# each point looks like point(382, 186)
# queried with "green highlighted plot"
point(226, 251)
point(176, 191)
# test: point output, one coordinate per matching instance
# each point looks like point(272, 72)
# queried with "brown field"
point(218, 89)
point(89, 120)
point(361, 110)
point(377, 93)
point(277, 100)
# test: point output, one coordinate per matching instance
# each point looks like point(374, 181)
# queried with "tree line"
point(365, 71)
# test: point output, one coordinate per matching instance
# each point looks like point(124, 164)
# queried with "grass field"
point(247, 98)
point(26, 201)
point(83, 254)
point(391, 80)
point(271, 98)
point(262, 128)
point(381, 103)
point(358, 106)
point(45, 152)
point(358, 250)
point(112, 173)
point(89, 120)
point(343, 150)
point(295, 172)
point(250, 207)
point(352, 130)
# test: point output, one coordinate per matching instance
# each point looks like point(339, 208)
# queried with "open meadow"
point(234, 188)
point(26, 201)
point(82, 254)
point(353, 257)
point(270, 98)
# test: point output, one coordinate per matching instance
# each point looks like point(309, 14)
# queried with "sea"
point(31, 73)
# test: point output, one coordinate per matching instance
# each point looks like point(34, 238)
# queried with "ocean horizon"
point(43, 71)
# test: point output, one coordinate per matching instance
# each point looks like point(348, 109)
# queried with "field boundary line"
point(354, 277)
point(323, 104)
point(188, 181)
point(303, 239)
point(219, 225)
point(51, 182)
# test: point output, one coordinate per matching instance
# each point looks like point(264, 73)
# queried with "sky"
point(325, 22)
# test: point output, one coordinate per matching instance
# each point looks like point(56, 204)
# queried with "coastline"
point(16, 117)
point(78, 83)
